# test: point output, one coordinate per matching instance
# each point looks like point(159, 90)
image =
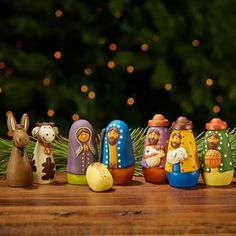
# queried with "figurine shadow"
point(134, 183)
point(111, 190)
point(31, 187)
point(57, 183)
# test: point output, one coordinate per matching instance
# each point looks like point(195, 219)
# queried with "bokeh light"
point(216, 109)
point(75, 117)
point(51, 112)
point(209, 82)
point(58, 13)
point(168, 86)
point(57, 55)
point(195, 43)
point(130, 69)
point(111, 64)
point(91, 95)
point(84, 88)
point(130, 101)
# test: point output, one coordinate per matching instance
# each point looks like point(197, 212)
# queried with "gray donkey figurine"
point(19, 172)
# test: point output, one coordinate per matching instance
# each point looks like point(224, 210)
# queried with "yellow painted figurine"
point(182, 162)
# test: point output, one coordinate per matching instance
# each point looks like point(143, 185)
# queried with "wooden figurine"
point(182, 165)
point(155, 148)
point(82, 151)
point(43, 164)
point(217, 164)
point(19, 173)
point(99, 177)
point(117, 152)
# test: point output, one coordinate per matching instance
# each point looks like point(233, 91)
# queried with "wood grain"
point(136, 209)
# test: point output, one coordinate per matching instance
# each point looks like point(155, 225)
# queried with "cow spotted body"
point(43, 164)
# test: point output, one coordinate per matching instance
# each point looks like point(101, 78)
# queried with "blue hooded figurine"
point(117, 152)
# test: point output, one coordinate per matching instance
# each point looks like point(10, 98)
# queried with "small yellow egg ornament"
point(98, 177)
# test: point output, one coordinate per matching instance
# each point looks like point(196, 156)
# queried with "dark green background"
point(30, 33)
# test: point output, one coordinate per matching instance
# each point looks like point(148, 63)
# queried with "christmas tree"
point(118, 59)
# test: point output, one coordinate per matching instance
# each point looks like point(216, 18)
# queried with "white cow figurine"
point(43, 164)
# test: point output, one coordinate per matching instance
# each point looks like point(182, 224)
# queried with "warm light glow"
point(118, 14)
point(130, 69)
point(88, 71)
point(2, 65)
point(19, 44)
point(130, 101)
point(58, 13)
point(9, 71)
point(144, 47)
point(8, 113)
point(195, 43)
point(113, 47)
point(209, 82)
point(111, 64)
point(0, 90)
point(57, 54)
point(216, 109)
point(50, 112)
point(91, 95)
point(46, 81)
point(219, 99)
point(168, 86)
point(101, 41)
point(155, 38)
point(84, 88)
point(75, 117)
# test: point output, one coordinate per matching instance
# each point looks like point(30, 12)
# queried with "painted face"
point(113, 135)
point(176, 141)
point(83, 136)
point(212, 142)
point(153, 138)
point(20, 138)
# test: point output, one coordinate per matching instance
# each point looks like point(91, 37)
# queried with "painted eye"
point(47, 134)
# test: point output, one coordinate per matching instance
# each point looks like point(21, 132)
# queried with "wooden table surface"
point(137, 209)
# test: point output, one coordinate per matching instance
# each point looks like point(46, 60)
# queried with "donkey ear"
point(35, 131)
point(25, 121)
point(11, 122)
point(56, 131)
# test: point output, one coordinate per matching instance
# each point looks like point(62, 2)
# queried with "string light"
point(209, 82)
point(130, 69)
point(155, 38)
point(144, 47)
point(46, 81)
point(75, 117)
point(19, 44)
point(84, 88)
point(2, 65)
point(118, 14)
point(57, 55)
point(113, 47)
point(91, 95)
point(219, 99)
point(111, 64)
point(58, 13)
point(101, 41)
point(88, 71)
point(50, 112)
point(195, 43)
point(130, 101)
point(216, 109)
point(168, 86)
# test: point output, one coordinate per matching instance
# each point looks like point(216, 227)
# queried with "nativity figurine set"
point(168, 157)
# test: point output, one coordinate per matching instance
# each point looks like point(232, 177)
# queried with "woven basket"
point(212, 158)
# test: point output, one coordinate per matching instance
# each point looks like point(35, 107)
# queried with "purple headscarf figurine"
point(82, 151)
point(155, 148)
